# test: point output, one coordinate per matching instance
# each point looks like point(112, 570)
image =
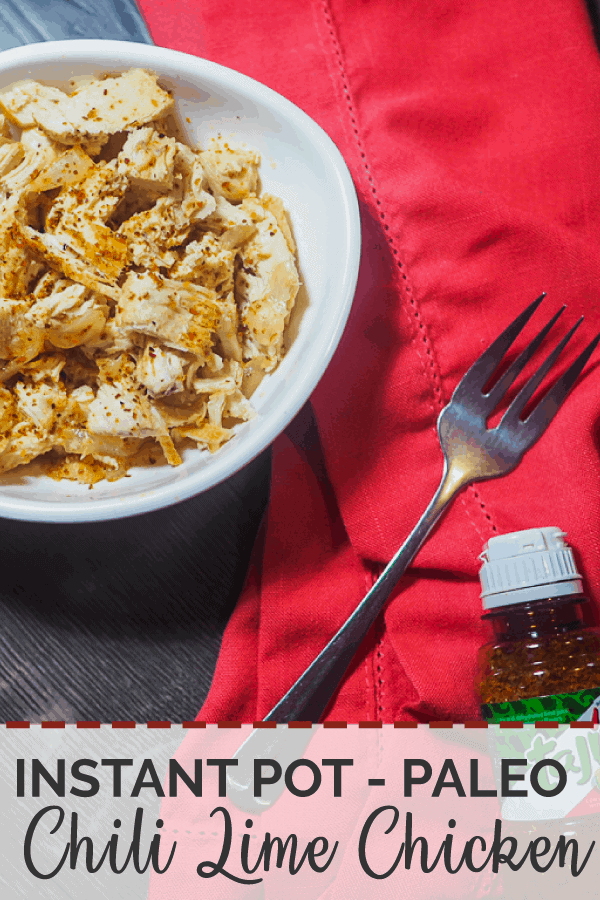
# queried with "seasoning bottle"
point(544, 662)
point(543, 665)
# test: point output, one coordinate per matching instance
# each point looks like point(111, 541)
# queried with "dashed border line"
point(162, 724)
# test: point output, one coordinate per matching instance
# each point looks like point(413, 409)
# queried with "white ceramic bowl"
point(301, 165)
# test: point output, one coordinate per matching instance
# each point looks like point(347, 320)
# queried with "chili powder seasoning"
point(544, 662)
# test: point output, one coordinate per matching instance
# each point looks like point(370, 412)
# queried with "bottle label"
point(577, 752)
point(550, 708)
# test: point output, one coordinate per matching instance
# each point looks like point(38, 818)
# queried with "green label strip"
point(551, 708)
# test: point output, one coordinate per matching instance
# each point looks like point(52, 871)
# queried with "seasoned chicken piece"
point(5, 129)
point(148, 159)
point(50, 281)
point(20, 340)
point(25, 442)
point(115, 368)
point(206, 435)
point(238, 407)
point(191, 166)
point(63, 257)
point(72, 435)
point(275, 205)
point(234, 224)
point(212, 363)
point(226, 398)
point(90, 468)
point(37, 406)
point(179, 314)
point(18, 267)
point(121, 410)
point(11, 155)
point(19, 103)
point(148, 233)
point(70, 316)
point(153, 232)
point(91, 458)
point(227, 330)
point(75, 240)
point(78, 218)
point(106, 448)
point(231, 173)
point(215, 407)
point(189, 413)
point(80, 399)
point(62, 299)
point(168, 223)
point(92, 200)
point(97, 109)
point(266, 287)
point(67, 169)
point(207, 262)
point(40, 403)
point(46, 368)
point(38, 152)
point(102, 247)
point(226, 383)
point(112, 339)
point(8, 411)
point(160, 371)
point(146, 256)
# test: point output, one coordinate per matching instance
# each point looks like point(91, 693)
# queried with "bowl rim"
point(152, 57)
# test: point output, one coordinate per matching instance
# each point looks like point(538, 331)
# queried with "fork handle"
point(307, 699)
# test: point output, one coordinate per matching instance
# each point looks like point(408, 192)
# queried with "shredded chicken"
point(99, 109)
point(141, 290)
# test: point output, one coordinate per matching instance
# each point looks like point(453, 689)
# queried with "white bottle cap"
point(528, 565)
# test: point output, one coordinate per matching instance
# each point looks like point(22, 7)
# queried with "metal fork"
point(472, 452)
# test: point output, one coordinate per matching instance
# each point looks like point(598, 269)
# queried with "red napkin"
point(471, 131)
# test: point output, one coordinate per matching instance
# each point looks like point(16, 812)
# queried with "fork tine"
point(503, 384)
point(528, 390)
point(476, 378)
point(540, 417)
